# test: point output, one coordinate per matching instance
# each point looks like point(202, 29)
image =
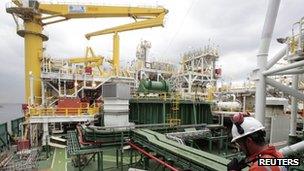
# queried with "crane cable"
point(179, 28)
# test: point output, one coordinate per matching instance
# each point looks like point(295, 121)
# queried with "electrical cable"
point(179, 28)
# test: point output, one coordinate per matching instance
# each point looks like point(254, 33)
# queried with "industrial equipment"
point(90, 61)
point(147, 86)
point(198, 72)
point(155, 70)
point(36, 16)
point(150, 20)
point(47, 80)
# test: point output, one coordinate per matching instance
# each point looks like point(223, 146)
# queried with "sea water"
point(10, 111)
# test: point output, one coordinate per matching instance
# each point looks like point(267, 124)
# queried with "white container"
point(229, 105)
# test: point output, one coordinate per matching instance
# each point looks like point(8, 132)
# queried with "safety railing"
point(62, 111)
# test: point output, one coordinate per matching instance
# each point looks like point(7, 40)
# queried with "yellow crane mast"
point(147, 23)
point(36, 15)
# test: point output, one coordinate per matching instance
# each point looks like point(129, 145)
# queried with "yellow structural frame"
point(37, 15)
point(147, 23)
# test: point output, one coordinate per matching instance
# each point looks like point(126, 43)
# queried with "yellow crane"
point(36, 15)
point(90, 59)
point(147, 23)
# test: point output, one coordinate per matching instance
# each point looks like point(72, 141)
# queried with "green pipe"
point(121, 159)
point(131, 157)
point(194, 113)
point(164, 112)
point(117, 151)
point(99, 161)
point(121, 152)
point(78, 157)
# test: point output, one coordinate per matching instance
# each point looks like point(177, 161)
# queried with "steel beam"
point(295, 93)
point(260, 100)
point(293, 149)
point(276, 58)
point(294, 107)
point(290, 72)
point(284, 68)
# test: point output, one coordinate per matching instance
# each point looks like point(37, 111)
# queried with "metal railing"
point(62, 111)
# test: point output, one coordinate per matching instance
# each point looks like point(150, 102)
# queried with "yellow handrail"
point(40, 111)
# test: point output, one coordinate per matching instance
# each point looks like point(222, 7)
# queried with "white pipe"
point(270, 19)
point(276, 58)
point(42, 93)
point(299, 95)
point(284, 68)
point(64, 89)
point(293, 149)
point(45, 133)
point(234, 97)
point(300, 37)
point(244, 103)
point(294, 107)
point(290, 72)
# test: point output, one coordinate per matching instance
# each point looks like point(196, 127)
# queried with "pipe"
point(284, 68)
point(294, 107)
point(276, 58)
point(179, 140)
point(299, 95)
point(293, 149)
point(244, 104)
point(270, 19)
point(290, 72)
point(45, 133)
point(83, 142)
point(43, 93)
point(152, 157)
point(234, 97)
point(97, 128)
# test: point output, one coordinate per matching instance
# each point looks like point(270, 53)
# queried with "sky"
point(234, 25)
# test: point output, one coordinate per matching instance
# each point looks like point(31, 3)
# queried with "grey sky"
point(234, 25)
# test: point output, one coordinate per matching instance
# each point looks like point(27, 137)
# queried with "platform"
point(55, 119)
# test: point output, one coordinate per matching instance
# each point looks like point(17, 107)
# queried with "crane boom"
point(35, 16)
point(93, 11)
point(155, 22)
point(147, 23)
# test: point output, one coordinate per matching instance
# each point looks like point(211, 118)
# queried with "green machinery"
point(159, 106)
point(147, 86)
point(4, 137)
point(78, 153)
point(180, 156)
point(112, 136)
point(149, 138)
point(155, 111)
point(16, 126)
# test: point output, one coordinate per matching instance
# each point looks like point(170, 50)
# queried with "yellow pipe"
point(33, 54)
point(115, 62)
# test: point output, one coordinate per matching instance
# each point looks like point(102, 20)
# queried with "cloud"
point(234, 25)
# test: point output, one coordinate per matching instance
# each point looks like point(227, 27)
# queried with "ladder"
point(173, 118)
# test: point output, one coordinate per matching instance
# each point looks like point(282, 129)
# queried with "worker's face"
point(244, 145)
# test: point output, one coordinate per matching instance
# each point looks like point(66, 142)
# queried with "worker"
point(249, 134)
